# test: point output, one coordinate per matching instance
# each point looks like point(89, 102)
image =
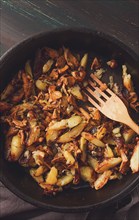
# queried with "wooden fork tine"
point(91, 83)
point(92, 101)
point(110, 92)
point(95, 95)
point(101, 84)
point(98, 89)
point(96, 79)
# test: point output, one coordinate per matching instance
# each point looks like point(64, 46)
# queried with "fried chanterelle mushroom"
point(51, 129)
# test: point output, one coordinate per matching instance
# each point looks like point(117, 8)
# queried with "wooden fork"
point(108, 103)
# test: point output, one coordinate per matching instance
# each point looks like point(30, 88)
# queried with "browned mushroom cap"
point(95, 64)
point(70, 59)
point(27, 85)
point(51, 52)
point(18, 96)
point(4, 106)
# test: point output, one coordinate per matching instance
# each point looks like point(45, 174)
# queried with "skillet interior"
point(14, 176)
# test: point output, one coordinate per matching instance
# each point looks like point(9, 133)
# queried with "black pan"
point(13, 176)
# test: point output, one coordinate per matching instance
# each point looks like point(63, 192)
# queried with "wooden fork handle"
point(133, 125)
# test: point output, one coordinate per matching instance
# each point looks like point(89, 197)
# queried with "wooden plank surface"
point(22, 18)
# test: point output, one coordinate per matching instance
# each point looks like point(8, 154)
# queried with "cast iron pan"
point(13, 176)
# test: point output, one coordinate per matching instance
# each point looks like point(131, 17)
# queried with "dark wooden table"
point(22, 18)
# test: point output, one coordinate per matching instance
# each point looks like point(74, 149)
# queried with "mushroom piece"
point(17, 147)
point(72, 134)
point(102, 179)
point(134, 161)
point(108, 164)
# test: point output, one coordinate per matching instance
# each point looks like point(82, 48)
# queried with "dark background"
point(22, 18)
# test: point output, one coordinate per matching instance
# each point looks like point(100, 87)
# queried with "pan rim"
point(74, 209)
